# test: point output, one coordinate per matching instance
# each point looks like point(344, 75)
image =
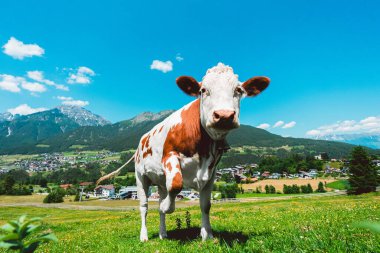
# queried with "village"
point(240, 174)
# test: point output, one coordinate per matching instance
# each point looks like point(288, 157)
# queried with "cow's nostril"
point(216, 115)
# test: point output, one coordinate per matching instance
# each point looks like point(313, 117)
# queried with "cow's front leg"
point(205, 203)
point(172, 169)
point(163, 193)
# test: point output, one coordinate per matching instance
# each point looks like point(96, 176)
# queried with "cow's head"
point(220, 93)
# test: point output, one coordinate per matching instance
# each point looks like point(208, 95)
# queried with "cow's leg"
point(205, 203)
point(163, 193)
point(142, 192)
point(172, 169)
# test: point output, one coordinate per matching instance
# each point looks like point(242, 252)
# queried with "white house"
point(104, 190)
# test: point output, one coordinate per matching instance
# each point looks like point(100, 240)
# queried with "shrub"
point(320, 187)
point(19, 189)
point(229, 190)
point(258, 189)
point(306, 188)
point(188, 219)
point(18, 230)
point(178, 222)
point(295, 189)
point(55, 196)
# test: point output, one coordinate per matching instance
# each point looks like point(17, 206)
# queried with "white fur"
point(220, 83)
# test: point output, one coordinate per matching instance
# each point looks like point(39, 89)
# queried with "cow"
point(184, 149)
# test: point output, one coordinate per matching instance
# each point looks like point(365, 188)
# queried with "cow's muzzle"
point(224, 120)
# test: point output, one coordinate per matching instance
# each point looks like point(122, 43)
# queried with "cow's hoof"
point(206, 235)
point(163, 235)
point(144, 235)
point(143, 238)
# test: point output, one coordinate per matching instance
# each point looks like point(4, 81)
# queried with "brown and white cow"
point(184, 149)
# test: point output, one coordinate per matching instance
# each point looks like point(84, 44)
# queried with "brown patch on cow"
point(160, 129)
point(154, 132)
point(147, 152)
point(137, 156)
point(143, 141)
point(147, 142)
point(188, 137)
point(178, 166)
point(169, 166)
point(176, 183)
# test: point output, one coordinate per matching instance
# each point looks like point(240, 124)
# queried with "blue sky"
point(322, 58)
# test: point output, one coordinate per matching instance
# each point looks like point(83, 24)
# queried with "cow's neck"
point(189, 137)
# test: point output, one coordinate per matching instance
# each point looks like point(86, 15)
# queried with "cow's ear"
point(255, 85)
point(189, 85)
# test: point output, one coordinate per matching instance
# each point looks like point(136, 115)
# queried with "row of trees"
point(291, 164)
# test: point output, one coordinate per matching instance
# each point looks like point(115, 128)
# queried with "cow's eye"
point(238, 91)
point(204, 91)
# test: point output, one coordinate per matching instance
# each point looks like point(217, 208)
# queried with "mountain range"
point(370, 140)
point(68, 127)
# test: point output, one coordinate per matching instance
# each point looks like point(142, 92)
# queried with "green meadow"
point(317, 224)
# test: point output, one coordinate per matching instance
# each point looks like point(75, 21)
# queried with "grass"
point(262, 195)
point(42, 146)
point(78, 146)
point(296, 225)
point(339, 185)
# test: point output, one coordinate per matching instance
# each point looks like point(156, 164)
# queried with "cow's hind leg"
point(173, 175)
point(163, 193)
point(143, 184)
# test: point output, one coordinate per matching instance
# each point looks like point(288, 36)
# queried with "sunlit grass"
point(294, 225)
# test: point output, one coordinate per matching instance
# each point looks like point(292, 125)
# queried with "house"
point(265, 174)
point(104, 190)
point(66, 186)
point(85, 183)
point(275, 176)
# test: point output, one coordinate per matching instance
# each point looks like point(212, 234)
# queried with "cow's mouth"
point(224, 125)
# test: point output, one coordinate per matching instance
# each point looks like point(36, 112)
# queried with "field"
point(279, 183)
point(317, 224)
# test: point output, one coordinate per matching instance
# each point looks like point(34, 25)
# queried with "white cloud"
point(79, 103)
point(64, 98)
point(289, 125)
point(18, 50)
point(179, 58)
point(81, 76)
point(10, 83)
point(33, 87)
point(25, 109)
point(71, 101)
point(367, 125)
point(39, 77)
point(162, 66)
point(263, 126)
point(278, 123)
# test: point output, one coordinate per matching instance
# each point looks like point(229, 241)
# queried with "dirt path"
point(154, 204)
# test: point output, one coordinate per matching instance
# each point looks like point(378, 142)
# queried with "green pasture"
point(317, 224)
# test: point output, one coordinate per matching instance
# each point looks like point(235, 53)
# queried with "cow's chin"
point(220, 131)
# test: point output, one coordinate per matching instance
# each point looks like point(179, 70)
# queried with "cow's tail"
point(112, 174)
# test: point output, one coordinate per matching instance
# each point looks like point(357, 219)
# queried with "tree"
point(229, 190)
point(325, 156)
point(320, 187)
point(8, 184)
point(363, 176)
point(55, 196)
